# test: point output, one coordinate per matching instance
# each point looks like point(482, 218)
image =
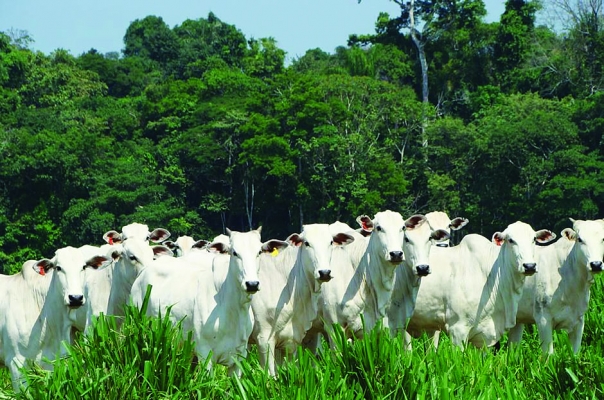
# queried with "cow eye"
point(511, 241)
point(235, 253)
point(132, 258)
point(58, 268)
point(307, 244)
point(407, 239)
point(378, 228)
point(579, 240)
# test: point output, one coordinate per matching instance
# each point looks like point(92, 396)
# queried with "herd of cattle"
point(236, 290)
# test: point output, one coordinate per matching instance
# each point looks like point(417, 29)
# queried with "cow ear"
point(294, 239)
point(218, 247)
point(273, 246)
point(498, 238)
point(99, 262)
point(112, 237)
point(544, 236)
point(414, 221)
point(170, 244)
point(440, 235)
point(458, 223)
point(569, 234)
point(159, 235)
point(259, 230)
point(161, 250)
point(43, 266)
point(228, 232)
point(343, 239)
point(366, 223)
point(200, 244)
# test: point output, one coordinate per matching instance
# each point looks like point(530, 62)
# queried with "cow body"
point(558, 297)
point(364, 277)
point(108, 290)
point(475, 287)
point(34, 314)
point(287, 304)
point(212, 299)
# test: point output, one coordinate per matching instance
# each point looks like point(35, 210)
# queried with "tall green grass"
point(148, 359)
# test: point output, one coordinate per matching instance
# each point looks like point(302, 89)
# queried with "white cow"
point(34, 312)
point(437, 220)
point(419, 240)
point(360, 294)
point(440, 220)
point(291, 283)
point(557, 298)
point(475, 287)
point(109, 290)
point(213, 301)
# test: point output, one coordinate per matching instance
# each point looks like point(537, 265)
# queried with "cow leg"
point(17, 378)
point(407, 340)
point(435, 338)
point(515, 334)
point(544, 325)
point(458, 334)
point(576, 335)
point(266, 355)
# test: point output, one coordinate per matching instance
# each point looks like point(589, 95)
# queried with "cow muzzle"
point(396, 257)
point(325, 275)
point(252, 286)
point(596, 266)
point(423, 270)
point(530, 269)
point(75, 300)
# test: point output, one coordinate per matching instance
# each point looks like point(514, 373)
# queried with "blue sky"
point(79, 25)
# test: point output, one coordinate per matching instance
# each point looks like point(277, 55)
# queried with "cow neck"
point(53, 325)
point(408, 284)
point(305, 292)
point(123, 277)
point(504, 286)
point(231, 291)
point(575, 279)
point(379, 283)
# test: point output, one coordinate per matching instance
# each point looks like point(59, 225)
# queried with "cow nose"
point(252, 286)
point(75, 300)
point(596, 266)
point(396, 255)
point(325, 275)
point(422, 270)
point(529, 268)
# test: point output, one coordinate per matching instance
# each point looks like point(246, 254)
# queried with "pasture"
point(147, 360)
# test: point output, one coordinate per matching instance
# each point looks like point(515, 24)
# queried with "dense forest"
point(195, 127)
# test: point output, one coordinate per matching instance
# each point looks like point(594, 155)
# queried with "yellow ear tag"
point(275, 252)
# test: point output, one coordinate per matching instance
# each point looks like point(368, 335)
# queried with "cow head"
point(245, 249)
point(418, 240)
point(589, 243)
point(316, 243)
point(132, 252)
point(517, 243)
point(184, 244)
point(68, 265)
point(440, 220)
point(387, 234)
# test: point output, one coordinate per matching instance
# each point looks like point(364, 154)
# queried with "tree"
point(151, 38)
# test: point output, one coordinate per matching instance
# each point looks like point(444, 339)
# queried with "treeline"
point(196, 128)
